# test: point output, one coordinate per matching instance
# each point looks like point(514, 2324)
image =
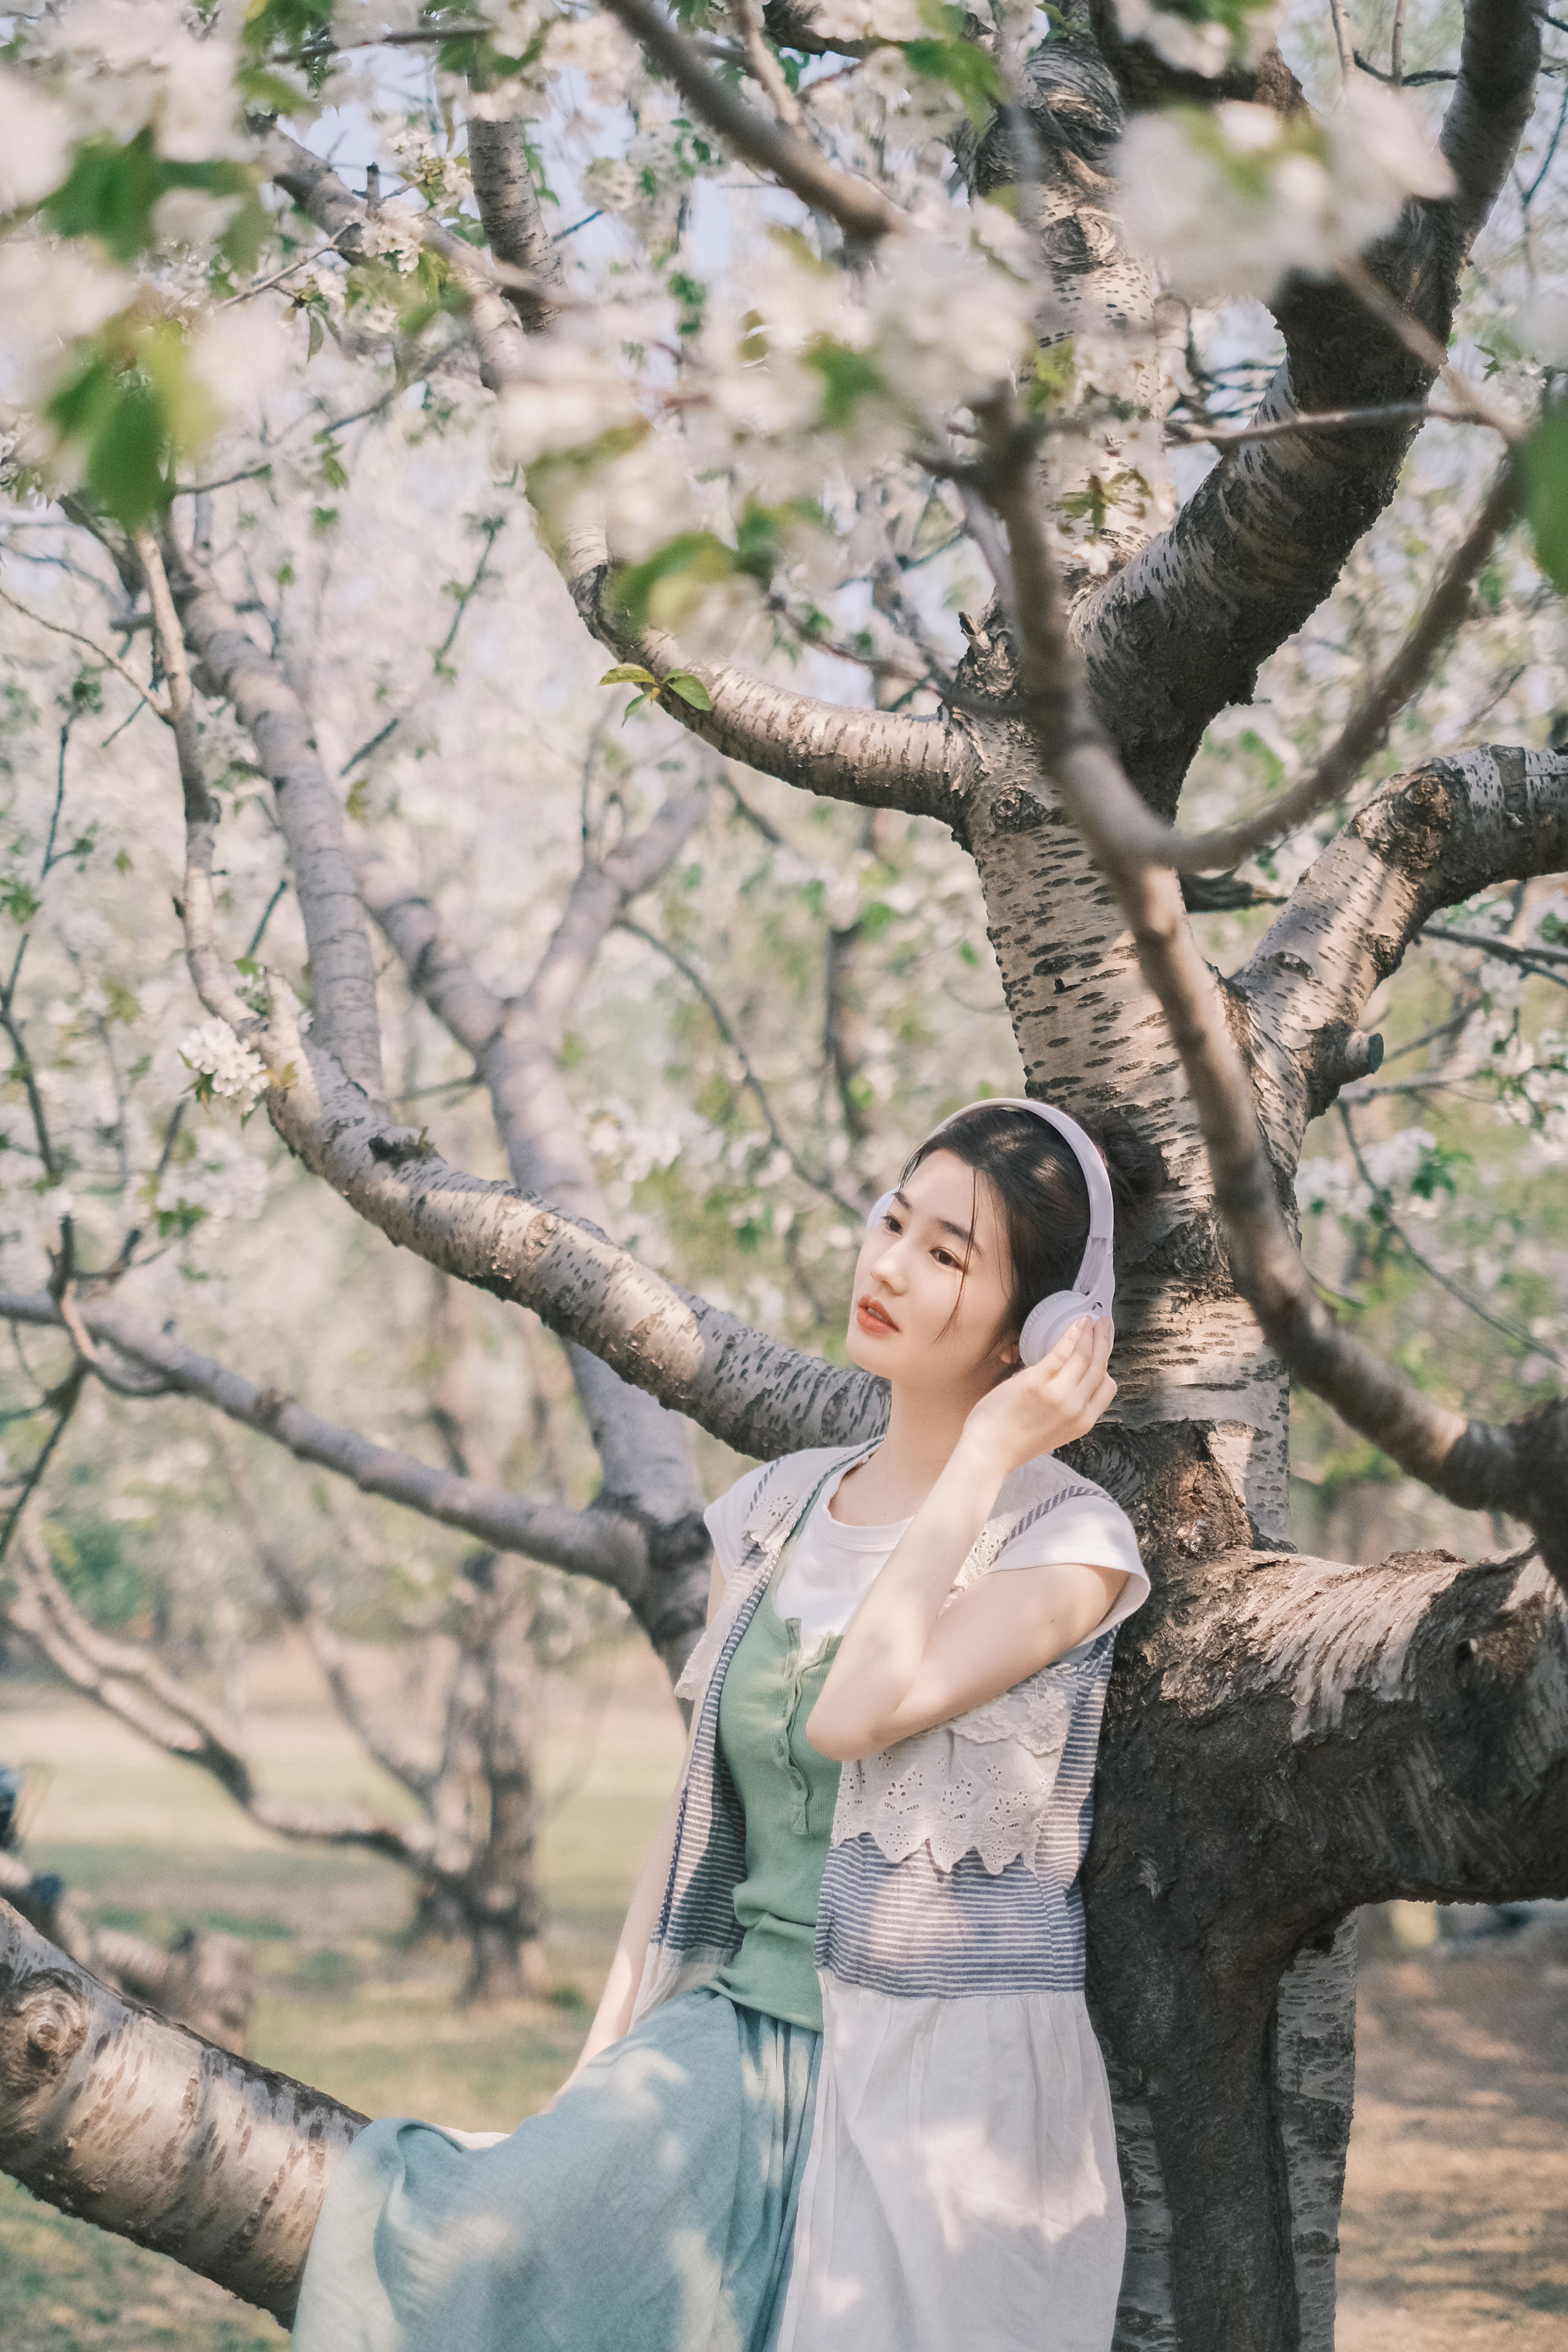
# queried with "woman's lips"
point(871, 1316)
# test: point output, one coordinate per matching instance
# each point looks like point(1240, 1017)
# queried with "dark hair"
point(1042, 1189)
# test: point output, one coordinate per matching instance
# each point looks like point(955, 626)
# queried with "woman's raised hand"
point(1046, 1404)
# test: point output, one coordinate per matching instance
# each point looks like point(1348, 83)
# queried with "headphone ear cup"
point(879, 1211)
point(1045, 1323)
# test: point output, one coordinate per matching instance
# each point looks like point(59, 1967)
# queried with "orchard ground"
point(1456, 2224)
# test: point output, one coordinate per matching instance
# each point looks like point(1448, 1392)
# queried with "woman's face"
point(940, 1247)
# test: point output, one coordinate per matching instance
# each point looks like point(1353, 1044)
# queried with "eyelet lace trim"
point(977, 1786)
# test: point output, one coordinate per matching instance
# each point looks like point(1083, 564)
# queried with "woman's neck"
point(922, 1430)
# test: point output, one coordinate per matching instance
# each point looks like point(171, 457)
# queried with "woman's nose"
point(887, 1265)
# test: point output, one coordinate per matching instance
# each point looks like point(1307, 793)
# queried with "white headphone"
point(1095, 1286)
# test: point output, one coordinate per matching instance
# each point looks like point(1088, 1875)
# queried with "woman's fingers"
point(1073, 1343)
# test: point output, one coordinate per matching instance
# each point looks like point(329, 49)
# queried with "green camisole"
point(788, 1793)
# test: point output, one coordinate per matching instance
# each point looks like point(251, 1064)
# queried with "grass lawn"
point(148, 1844)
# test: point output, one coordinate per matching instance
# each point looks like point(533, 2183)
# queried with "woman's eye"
point(944, 1257)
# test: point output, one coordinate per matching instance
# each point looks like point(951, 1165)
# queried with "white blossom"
point(192, 218)
point(595, 47)
point(35, 142)
point(51, 292)
point(234, 355)
point(133, 62)
point(950, 323)
point(1204, 46)
point(213, 1051)
point(645, 497)
point(918, 105)
point(1231, 199)
point(1541, 327)
point(868, 20)
point(571, 399)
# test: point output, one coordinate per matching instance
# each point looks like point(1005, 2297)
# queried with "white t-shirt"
point(833, 1567)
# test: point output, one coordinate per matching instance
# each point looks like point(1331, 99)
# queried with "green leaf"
point(1052, 378)
point(690, 689)
point(266, 92)
point(696, 553)
point(628, 673)
point(971, 73)
point(1543, 462)
point(315, 336)
point(109, 195)
point(112, 191)
point(850, 377)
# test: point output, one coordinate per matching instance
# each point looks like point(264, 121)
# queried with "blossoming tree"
point(891, 291)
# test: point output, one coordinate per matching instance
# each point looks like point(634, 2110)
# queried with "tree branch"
point(597, 1543)
point(747, 18)
point(516, 1047)
point(208, 967)
point(341, 971)
point(1180, 631)
point(129, 1683)
point(497, 332)
point(861, 211)
point(603, 889)
point(509, 208)
point(820, 1179)
point(99, 653)
point(236, 2143)
point(1431, 838)
point(1364, 730)
point(758, 1394)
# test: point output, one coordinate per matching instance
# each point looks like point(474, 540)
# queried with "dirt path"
point(1455, 2231)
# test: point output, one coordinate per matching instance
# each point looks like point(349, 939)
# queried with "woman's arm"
point(612, 2016)
point(906, 1662)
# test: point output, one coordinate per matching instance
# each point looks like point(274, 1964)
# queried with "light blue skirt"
point(651, 2209)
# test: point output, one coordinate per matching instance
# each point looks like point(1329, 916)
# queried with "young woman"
point(841, 2093)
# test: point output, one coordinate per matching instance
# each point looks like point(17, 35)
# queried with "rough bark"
point(509, 206)
point(121, 2118)
point(1426, 840)
point(1287, 1739)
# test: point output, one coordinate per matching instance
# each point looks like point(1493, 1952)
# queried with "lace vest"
point(956, 1854)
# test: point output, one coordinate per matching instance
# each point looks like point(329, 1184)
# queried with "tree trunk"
point(1287, 1739)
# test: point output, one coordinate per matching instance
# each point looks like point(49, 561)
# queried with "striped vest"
point(955, 1856)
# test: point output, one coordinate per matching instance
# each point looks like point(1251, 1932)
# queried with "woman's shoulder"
point(1046, 1512)
point(761, 1497)
point(1047, 1484)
